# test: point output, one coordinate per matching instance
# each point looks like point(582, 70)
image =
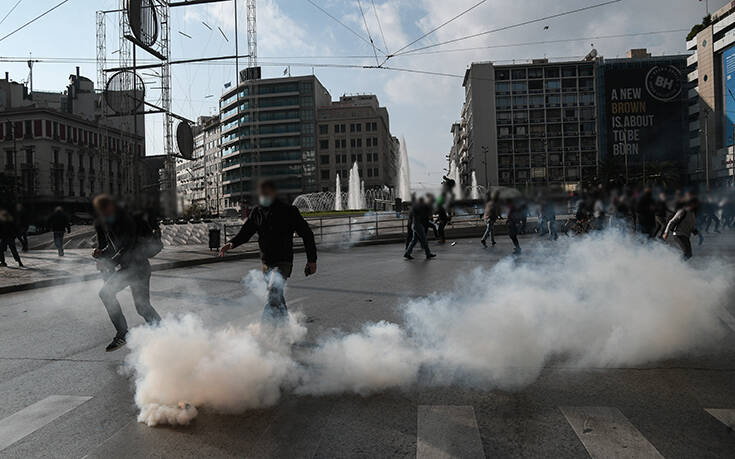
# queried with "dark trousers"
point(686, 246)
point(513, 232)
point(59, 242)
point(419, 236)
point(138, 278)
point(275, 310)
point(553, 235)
point(4, 244)
point(23, 238)
point(660, 226)
point(439, 230)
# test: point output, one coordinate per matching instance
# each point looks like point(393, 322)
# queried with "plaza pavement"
point(62, 396)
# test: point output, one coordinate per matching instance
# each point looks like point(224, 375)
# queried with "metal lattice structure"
point(252, 34)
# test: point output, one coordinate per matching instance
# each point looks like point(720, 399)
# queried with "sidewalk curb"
point(459, 233)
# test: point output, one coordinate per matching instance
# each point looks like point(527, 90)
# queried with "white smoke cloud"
point(602, 301)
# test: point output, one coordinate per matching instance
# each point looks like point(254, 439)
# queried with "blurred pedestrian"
point(275, 222)
point(124, 245)
point(8, 233)
point(682, 226)
point(515, 217)
point(22, 222)
point(421, 217)
point(491, 215)
point(59, 223)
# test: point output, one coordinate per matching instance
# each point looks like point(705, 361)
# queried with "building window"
point(323, 159)
point(323, 129)
point(356, 127)
point(324, 144)
point(325, 174)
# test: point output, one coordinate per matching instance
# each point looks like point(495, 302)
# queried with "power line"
point(359, 5)
point(442, 25)
point(344, 25)
point(543, 42)
point(34, 20)
point(519, 24)
point(377, 19)
point(11, 10)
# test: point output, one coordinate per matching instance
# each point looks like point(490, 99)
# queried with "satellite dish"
point(185, 140)
point(143, 21)
point(125, 92)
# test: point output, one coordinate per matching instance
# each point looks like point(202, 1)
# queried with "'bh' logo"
point(664, 82)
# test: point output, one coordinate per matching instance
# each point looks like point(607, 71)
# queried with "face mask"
point(110, 219)
point(265, 201)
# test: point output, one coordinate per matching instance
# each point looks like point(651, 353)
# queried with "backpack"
point(148, 236)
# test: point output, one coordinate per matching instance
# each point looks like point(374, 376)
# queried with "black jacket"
point(421, 214)
point(117, 240)
point(275, 226)
point(59, 222)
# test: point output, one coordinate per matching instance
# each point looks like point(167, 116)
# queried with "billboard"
point(645, 111)
point(728, 94)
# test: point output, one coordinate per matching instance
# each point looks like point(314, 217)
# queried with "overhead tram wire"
point(367, 29)
point(543, 42)
point(439, 27)
point(9, 12)
point(345, 25)
point(33, 20)
point(377, 19)
point(72, 60)
point(512, 26)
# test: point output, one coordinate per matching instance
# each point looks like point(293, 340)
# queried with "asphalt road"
point(61, 395)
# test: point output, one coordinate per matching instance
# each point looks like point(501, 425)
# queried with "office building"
point(199, 181)
point(268, 129)
point(711, 75)
point(528, 125)
point(355, 129)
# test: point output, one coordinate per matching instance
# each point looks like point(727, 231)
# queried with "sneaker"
point(430, 256)
point(407, 256)
point(517, 251)
point(493, 244)
point(116, 344)
point(484, 244)
point(21, 265)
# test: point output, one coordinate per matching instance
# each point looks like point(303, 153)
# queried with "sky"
point(422, 107)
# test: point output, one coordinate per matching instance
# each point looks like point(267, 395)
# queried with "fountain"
point(338, 194)
point(355, 194)
point(454, 175)
point(475, 191)
point(404, 176)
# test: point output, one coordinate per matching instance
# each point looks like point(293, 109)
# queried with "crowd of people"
point(655, 214)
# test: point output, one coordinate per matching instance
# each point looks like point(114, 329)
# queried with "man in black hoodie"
point(127, 265)
point(275, 223)
point(422, 213)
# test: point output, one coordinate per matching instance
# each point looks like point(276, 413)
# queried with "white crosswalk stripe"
point(605, 432)
point(31, 418)
point(447, 431)
point(725, 416)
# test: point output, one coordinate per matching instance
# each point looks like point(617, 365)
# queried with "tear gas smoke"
point(600, 301)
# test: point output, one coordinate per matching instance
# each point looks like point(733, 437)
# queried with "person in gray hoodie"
point(682, 225)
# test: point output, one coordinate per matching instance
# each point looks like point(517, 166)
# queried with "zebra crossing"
point(442, 431)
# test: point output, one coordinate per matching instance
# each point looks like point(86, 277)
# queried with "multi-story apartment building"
point(528, 124)
point(54, 150)
point(355, 129)
point(711, 75)
point(199, 180)
point(269, 131)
